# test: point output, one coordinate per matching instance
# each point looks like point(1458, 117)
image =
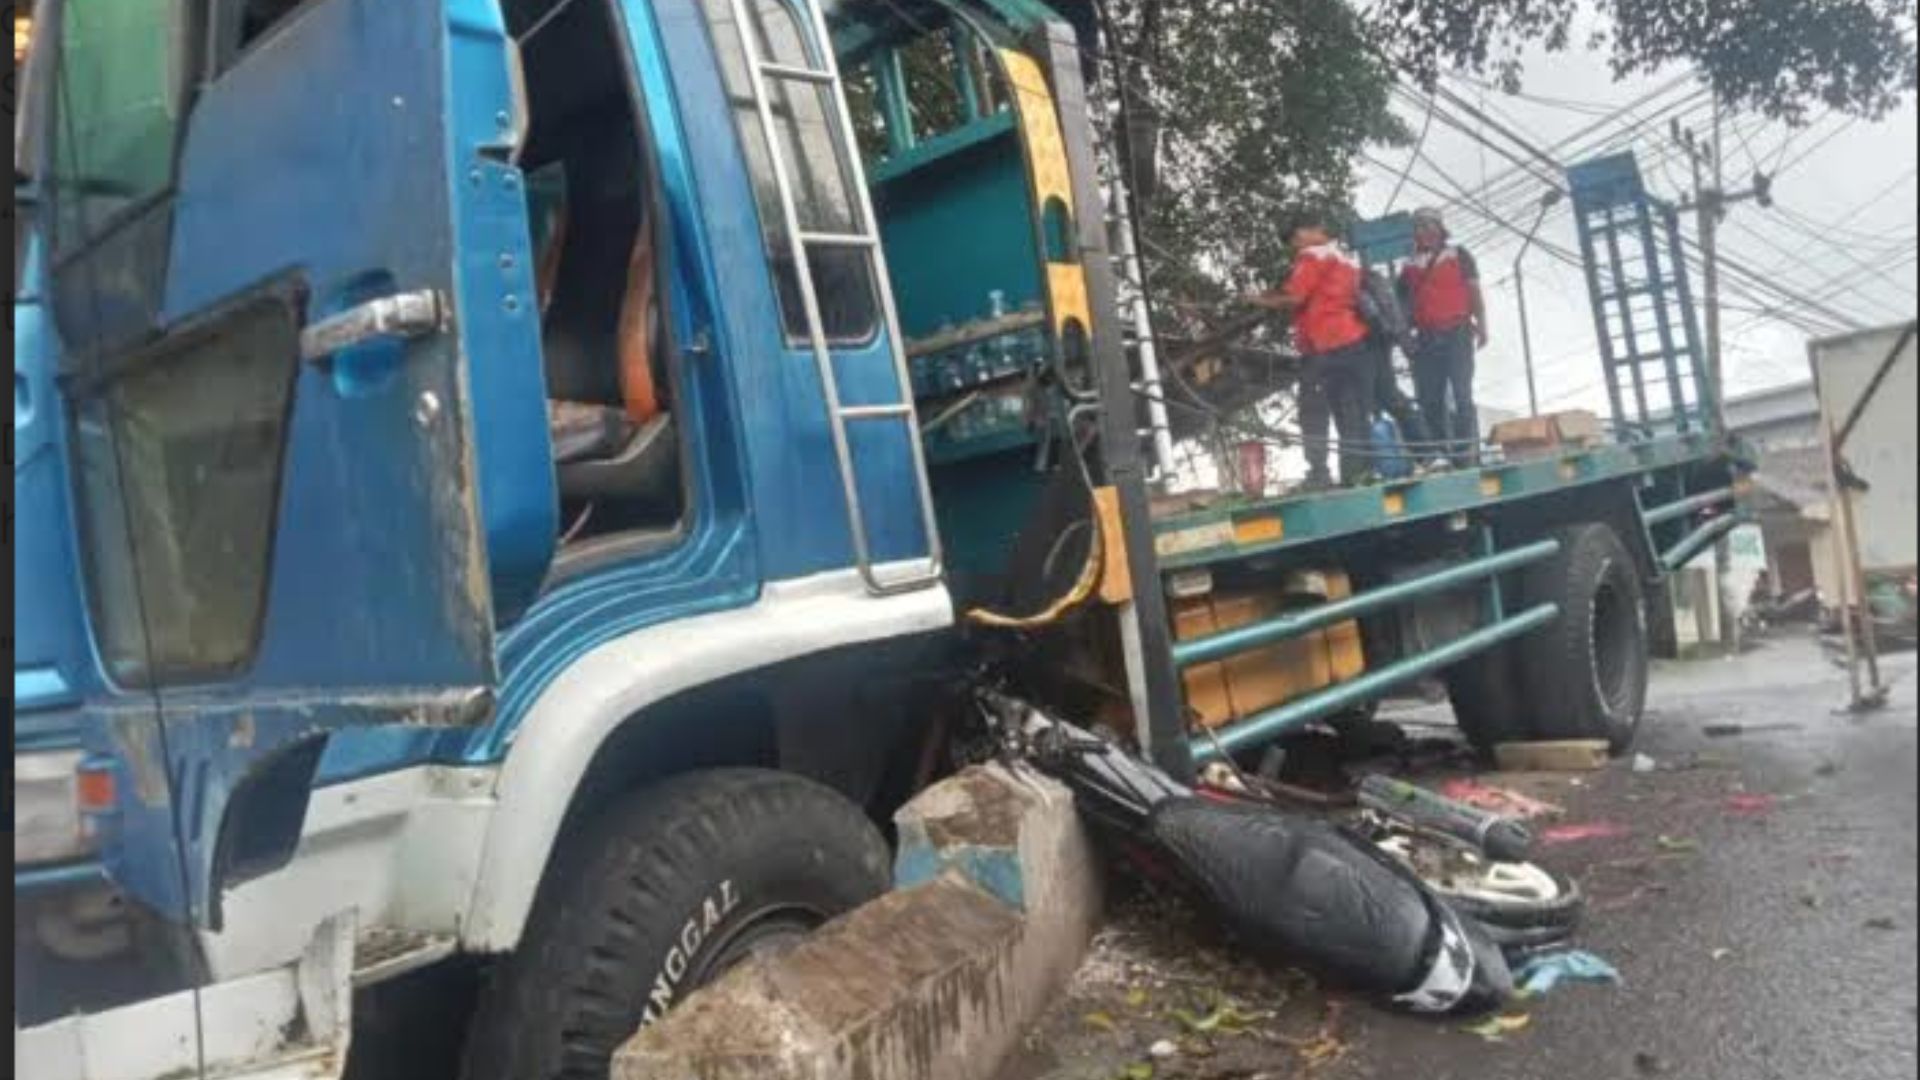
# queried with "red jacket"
point(1438, 287)
point(1325, 283)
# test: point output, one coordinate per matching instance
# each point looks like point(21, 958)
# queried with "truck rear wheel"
point(1488, 701)
point(1586, 673)
point(666, 891)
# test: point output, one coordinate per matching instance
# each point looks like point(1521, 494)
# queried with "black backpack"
point(1380, 308)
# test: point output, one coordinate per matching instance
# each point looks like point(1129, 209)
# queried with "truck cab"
point(484, 437)
point(520, 488)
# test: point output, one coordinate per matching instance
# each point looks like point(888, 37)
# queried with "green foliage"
point(1259, 106)
point(1777, 57)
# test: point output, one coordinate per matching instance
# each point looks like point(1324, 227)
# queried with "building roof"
point(1797, 476)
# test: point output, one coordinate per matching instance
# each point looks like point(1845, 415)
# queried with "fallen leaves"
point(1497, 1027)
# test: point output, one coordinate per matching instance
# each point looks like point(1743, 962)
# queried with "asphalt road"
point(1778, 941)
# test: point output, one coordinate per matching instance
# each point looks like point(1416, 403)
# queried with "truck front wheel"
point(663, 893)
point(1586, 673)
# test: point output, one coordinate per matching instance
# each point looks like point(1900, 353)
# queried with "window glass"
point(179, 461)
point(122, 67)
point(822, 179)
point(259, 16)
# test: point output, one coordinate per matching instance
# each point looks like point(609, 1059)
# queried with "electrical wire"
point(1413, 159)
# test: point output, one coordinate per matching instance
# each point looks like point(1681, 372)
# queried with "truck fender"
point(588, 702)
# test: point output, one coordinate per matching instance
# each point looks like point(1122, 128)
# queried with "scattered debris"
point(1826, 769)
point(1497, 1027)
point(1581, 755)
point(1497, 836)
point(1500, 801)
point(1594, 830)
point(1810, 898)
point(1648, 1064)
point(1324, 1046)
point(1644, 765)
point(1139, 1070)
point(1750, 804)
point(1100, 1021)
point(1541, 974)
point(1882, 922)
point(1720, 954)
point(1677, 845)
point(1162, 1050)
point(1224, 1020)
point(1263, 873)
point(1734, 731)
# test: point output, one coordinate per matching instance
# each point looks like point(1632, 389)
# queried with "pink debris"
point(1500, 801)
point(1750, 804)
point(1572, 834)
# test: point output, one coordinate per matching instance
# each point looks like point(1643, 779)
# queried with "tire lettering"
point(693, 934)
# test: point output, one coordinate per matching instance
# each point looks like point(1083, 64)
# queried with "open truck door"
point(291, 277)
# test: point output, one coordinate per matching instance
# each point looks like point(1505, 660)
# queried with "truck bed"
point(1233, 528)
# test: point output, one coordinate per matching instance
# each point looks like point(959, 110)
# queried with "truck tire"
point(1488, 701)
point(661, 894)
point(1586, 673)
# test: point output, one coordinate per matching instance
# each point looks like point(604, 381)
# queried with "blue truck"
point(520, 487)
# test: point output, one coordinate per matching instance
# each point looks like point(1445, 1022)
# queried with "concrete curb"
point(998, 893)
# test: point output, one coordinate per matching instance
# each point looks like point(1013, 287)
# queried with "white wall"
point(1882, 448)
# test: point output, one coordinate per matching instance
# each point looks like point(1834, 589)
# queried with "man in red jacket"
point(1440, 290)
point(1322, 294)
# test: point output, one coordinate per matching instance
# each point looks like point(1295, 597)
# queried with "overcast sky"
point(1842, 233)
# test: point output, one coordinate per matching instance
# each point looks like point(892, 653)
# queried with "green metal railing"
point(1698, 541)
point(1680, 508)
point(1333, 699)
point(1295, 714)
point(1244, 638)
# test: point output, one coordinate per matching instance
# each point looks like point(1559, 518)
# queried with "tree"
point(1258, 107)
point(1255, 109)
point(1776, 57)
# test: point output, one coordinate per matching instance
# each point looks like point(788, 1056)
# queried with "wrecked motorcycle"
point(1294, 889)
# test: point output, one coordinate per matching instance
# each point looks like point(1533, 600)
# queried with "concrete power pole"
point(1710, 201)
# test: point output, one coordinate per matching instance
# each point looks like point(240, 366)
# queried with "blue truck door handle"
point(403, 316)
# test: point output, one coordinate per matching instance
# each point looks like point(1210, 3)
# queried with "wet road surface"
point(1760, 907)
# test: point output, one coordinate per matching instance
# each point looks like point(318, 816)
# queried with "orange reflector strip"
point(1491, 487)
point(1394, 503)
point(1260, 530)
point(93, 791)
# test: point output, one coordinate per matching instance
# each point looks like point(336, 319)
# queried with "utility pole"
point(1710, 200)
point(1547, 202)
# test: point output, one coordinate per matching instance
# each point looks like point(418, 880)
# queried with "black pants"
point(1389, 399)
point(1443, 379)
point(1338, 387)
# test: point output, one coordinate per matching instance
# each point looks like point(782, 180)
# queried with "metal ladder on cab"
point(865, 237)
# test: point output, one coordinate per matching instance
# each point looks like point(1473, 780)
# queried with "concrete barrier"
point(997, 896)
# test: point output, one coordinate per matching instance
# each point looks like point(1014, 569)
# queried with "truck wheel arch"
point(647, 685)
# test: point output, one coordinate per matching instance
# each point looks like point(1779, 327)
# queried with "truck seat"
point(600, 342)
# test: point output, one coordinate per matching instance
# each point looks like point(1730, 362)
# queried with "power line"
point(1412, 158)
